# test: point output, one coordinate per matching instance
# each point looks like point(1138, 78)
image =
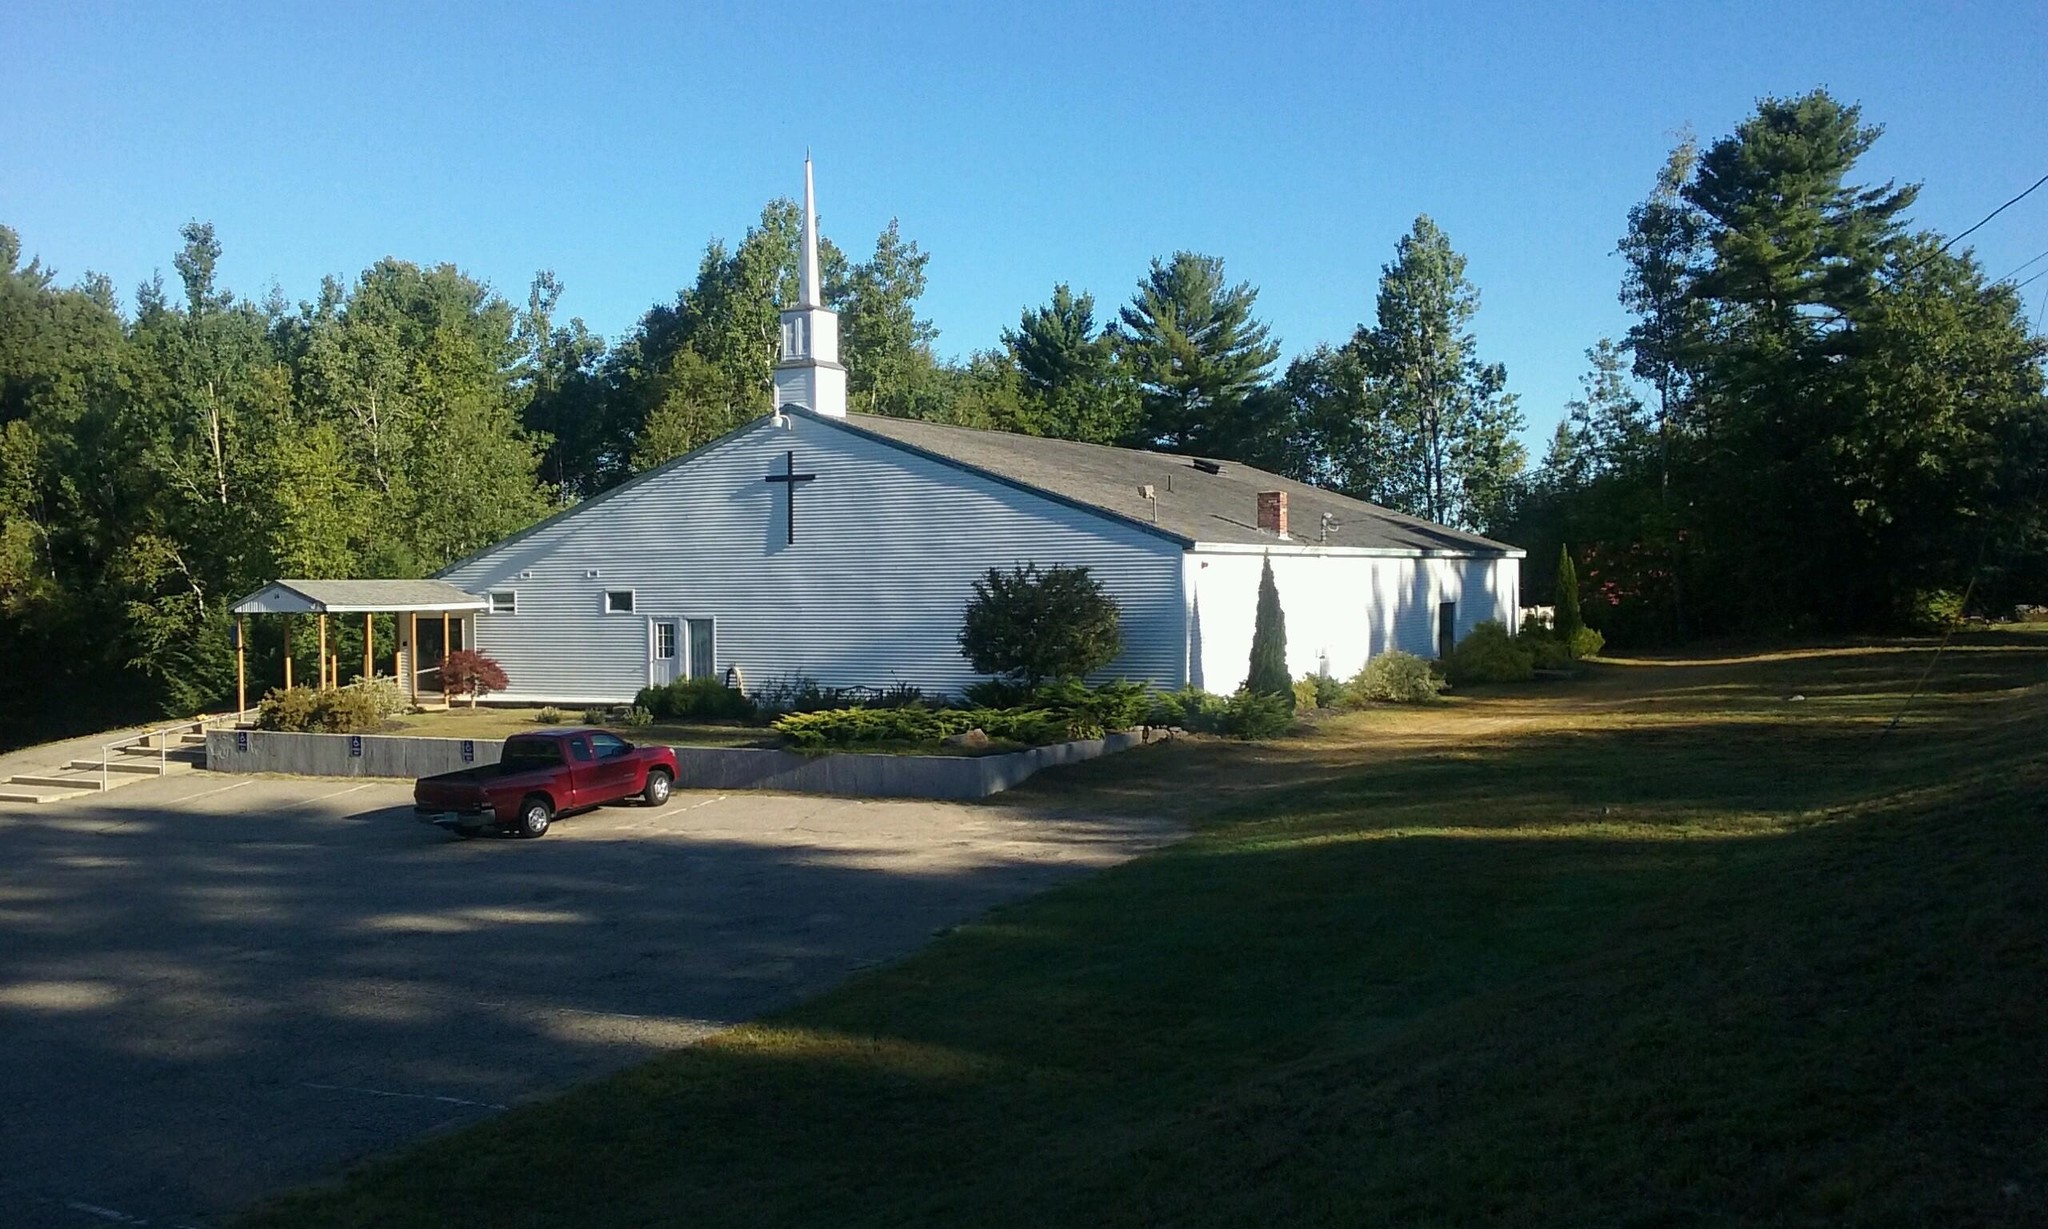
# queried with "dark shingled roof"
point(1194, 505)
point(360, 596)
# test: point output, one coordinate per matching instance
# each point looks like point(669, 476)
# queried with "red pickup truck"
point(541, 776)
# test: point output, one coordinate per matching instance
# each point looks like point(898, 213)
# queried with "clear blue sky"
point(1019, 144)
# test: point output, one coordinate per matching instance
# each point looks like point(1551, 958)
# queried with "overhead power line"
point(1980, 222)
point(2016, 272)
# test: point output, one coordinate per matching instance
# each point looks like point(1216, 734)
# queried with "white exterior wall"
point(871, 593)
point(1340, 608)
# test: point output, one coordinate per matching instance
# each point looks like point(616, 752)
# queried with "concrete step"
point(192, 740)
point(52, 781)
point(151, 767)
point(16, 793)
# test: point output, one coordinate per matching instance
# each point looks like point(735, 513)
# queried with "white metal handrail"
point(196, 725)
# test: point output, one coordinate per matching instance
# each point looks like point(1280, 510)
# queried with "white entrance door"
point(665, 665)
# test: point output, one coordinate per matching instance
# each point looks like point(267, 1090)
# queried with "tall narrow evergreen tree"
point(1569, 619)
point(1269, 675)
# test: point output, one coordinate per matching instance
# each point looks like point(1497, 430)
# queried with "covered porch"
point(430, 618)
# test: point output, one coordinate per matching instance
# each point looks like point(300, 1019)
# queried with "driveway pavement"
point(212, 988)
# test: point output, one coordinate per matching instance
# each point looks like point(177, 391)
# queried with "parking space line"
point(220, 789)
point(408, 1096)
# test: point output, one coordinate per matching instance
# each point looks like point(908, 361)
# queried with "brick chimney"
point(1273, 511)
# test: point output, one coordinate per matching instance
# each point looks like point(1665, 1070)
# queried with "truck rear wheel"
point(534, 817)
point(657, 789)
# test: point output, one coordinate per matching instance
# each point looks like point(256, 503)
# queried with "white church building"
point(842, 548)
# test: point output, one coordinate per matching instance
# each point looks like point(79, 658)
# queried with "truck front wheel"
point(534, 817)
point(657, 789)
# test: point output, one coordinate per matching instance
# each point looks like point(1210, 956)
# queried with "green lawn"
point(1663, 946)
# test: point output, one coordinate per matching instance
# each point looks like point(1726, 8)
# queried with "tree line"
point(1819, 419)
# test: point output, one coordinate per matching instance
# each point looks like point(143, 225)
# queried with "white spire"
point(809, 295)
point(809, 373)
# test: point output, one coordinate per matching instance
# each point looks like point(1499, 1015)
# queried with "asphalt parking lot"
point(213, 988)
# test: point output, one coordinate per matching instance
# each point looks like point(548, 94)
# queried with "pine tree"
point(1569, 620)
point(1269, 643)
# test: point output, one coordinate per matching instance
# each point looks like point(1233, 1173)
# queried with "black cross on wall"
point(790, 478)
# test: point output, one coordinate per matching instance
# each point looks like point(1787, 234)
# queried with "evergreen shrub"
point(706, 698)
point(1588, 642)
point(1268, 672)
point(1488, 654)
point(1254, 715)
point(1394, 677)
point(1031, 624)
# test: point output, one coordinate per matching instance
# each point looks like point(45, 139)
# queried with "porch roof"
point(357, 597)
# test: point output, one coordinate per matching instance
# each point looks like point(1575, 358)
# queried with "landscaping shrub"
point(287, 708)
point(996, 693)
point(1394, 677)
point(1488, 654)
point(706, 698)
point(1587, 642)
point(1191, 709)
point(1115, 705)
point(349, 710)
point(466, 672)
point(1247, 714)
point(385, 693)
point(1546, 652)
point(638, 716)
point(1317, 691)
point(302, 710)
point(1055, 712)
point(1268, 671)
point(1569, 616)
point(799, 693)
point(1250, 714)
point(595, 716)
point(549, 716)
point(1030, 624)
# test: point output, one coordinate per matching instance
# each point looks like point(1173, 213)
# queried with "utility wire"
point(1980, 222)
point(2016, 272)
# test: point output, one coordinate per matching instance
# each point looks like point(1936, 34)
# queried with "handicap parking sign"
point(355, 746)
point(468, 751)
point(242, 741)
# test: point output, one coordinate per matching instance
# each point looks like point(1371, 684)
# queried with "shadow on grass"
point(1351, 1000)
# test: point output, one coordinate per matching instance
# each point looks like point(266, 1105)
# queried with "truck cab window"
point(608, 745)
point(579, 750)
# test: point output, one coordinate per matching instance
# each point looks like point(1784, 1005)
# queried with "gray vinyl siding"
point(871, 593)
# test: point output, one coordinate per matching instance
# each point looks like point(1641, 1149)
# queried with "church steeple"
point(809, 374)
point(809, 296)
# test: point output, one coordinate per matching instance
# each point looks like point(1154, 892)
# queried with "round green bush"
point(1488, 654)
point(1394, 677)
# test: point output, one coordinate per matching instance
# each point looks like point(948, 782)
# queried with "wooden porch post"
point(369, 647)
point(241, 665)
point(287, 652)
point(323, 650)
point(412, 663)
point(445, 643)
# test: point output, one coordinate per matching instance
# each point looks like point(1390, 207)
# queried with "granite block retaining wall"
point(855, 775)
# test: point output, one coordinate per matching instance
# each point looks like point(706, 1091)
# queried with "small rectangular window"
point(665, 641)
point(504, 601)
point(618, 601)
